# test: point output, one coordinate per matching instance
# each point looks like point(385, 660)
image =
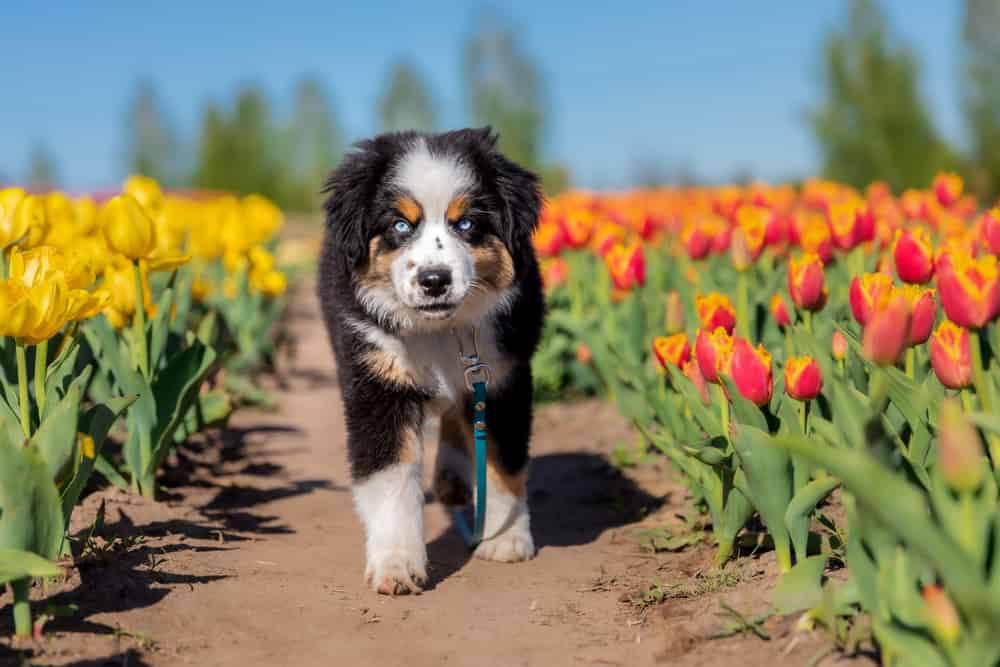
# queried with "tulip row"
point(113, 316)
point(779, 344)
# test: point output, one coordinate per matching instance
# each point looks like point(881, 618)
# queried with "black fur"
point(506, 200)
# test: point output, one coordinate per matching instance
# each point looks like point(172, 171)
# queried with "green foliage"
point(981, 94)
point(406, 103)
point(150, 143)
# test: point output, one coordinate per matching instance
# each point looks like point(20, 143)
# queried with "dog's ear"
point(352, 187)
point(522, 198)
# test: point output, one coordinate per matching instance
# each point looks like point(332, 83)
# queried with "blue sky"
point(718, 85)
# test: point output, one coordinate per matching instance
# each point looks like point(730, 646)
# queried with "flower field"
point(127, 324)
point(816, 361)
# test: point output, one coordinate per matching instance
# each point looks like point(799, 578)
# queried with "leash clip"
point(476, 370)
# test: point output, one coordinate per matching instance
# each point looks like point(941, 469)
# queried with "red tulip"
point(750, 370)
point(948, 188)
point(803, 380)
point(924, 310)
point(672, 350)
point(606, 235)
point(695, 241)
point(805, 282)
point(989, 230)
point(913, 255)
point(627, 266)
point(969, 289)
point(693, 372)
point(549, 239)
point(838, 346)
point(844, 216)
point(951, 356)
point(814, 237)
point(712, 350)
point(778, 310)
point(887, 333)
point(578, 225)
point(868, 294)
point(715, 310)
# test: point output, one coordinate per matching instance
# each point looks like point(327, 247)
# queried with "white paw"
point(512, 546)
point(397, 572)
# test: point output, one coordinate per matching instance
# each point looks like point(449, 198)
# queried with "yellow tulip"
point(165, 262)
point(86, 216)
point(12, 227)
point(263, 218)
point(127, 228)
point(45, 263)
point(119, 284)
point(33, 314)
point(147, 192)
point(270, 283)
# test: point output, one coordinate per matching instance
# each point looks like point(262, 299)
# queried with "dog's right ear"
point(352, 187)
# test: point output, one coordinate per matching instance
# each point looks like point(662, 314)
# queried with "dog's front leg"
point(384, 441)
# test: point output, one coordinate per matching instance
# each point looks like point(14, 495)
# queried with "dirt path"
point(256, 558)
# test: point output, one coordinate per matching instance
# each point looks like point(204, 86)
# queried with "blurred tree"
point(150, 146)
point(981, 94)
point(313, 144)
point(43, 174)
point(873, 123)
point(407, 102)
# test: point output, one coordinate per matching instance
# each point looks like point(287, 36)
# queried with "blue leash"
point(477, 378)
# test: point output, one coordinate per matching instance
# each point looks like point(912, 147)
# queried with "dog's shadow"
point(574, 498)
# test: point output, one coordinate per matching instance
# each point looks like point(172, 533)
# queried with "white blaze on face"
point(433, 181)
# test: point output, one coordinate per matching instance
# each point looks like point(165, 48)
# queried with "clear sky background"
point(718, 85)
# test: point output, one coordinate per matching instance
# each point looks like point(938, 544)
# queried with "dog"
point(427, 252)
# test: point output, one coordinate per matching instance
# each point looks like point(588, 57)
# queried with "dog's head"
point(433, 230)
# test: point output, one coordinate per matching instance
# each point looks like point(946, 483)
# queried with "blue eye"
point(464, 225)
point(403, 227)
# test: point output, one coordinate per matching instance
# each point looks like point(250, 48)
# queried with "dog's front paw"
point(397, 572)
point(511, 546)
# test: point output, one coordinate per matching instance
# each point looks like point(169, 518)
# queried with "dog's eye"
point(403, 227)
point(464, 225)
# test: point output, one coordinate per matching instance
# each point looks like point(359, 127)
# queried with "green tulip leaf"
point(800, 588)
point(18, 564)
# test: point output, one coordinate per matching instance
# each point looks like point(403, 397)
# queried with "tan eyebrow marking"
point(457, 208)
point(409, 208)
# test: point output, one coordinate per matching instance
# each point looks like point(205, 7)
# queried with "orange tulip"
point(951, 356)
point(779, 311)
point(672, 350)
point(803, 379)
point(924, 310)
point(869, 294)
point(712, 351)
point(627, 266)
point(805, 282)
point(716, 310)
point(947, 188)
point(969, 289)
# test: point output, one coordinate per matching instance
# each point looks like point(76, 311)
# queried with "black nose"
point(435, 280)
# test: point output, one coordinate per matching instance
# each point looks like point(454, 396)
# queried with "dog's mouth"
point(438, 311)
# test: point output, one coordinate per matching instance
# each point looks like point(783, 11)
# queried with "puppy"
point(428, 247)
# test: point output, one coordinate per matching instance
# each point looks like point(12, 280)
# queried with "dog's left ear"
point(522, 202)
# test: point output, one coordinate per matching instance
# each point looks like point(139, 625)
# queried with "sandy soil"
point(255, 557)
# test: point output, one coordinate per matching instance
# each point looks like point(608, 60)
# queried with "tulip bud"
point(712, 350)
point(913, 255)
point(672, 350)
point(960, 451)
point(751, 229)
point(583, 354)
point(989, 231)
point(675, 312)
point(803, 379)
point(693, 373)
point(716, 310)
point(750, 370)
point(951, 356)
point(888, 331)
point(924, 310)
point(947, 188)
point(839, 346)
point(969, 288)
point(127, 228)
point(942, 618)
point(806, 282)
point(868, 294)
point(739, 251)
point(779, 311)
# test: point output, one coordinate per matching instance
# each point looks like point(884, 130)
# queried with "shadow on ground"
point(574, 498)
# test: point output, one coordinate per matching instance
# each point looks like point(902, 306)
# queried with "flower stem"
point(807, 320)
point(743, 305)
point(22, 607)
point(139, 323)
point(910, 362)
point(22, 389)
point(41, 364)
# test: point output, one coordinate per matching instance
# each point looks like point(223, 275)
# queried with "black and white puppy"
point(428, 243)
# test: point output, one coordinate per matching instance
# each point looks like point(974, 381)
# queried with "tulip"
point(146, 192)
point(942, 618)
point(577, 227)
point(803, 380)
point(951, 356)
point(844, 216)
point(989, 230)
point(814, 237)
point(806, 282)
point(750, 370)
point(869, 294)
point(627, 266)
point(672, 350)
point(914, 204)
point(716, 310)
point(12, 226)
point(960, 451)
point(924, 310)
point(692, 372)
point(752, 224)
point(838, 346)
point(969, 289)
point(695, 241)
point(606, 235)
point(913, 255)
point(947, 188)
point(779, 311)
point(887, 333)
point(674, 316)
point(261, 218)
point(548, 241)
point(555, 271)
point(739, 251)
point(127, 228)
point(712, 351)
point(584, 355)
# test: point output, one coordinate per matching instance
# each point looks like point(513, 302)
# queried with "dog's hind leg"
point(453, 467)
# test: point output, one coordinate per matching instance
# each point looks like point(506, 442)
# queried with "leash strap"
point(477, 379)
